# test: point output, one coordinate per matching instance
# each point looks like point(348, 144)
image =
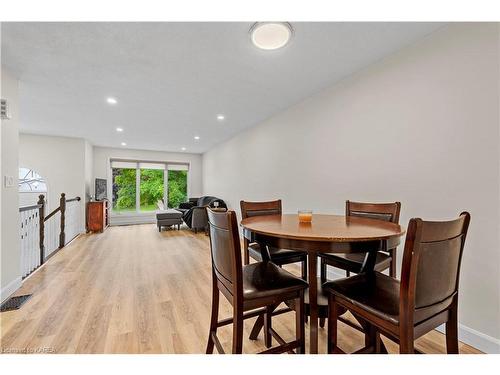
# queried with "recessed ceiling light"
point(196, 137)
point(271, 35)
point(111, 100)
point(119, 129)
point(124, 144)
point(183, 148)
point(221, 117)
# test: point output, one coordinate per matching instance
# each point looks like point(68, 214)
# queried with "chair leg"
point(406, 344)
point(267, 327)
point(452, 331)
point(299, 324)
point(322, 322)
point(259, 323)
point(332, 324)
point(237, 331)
point(303, 269)
point(323, 270)
point(347, 273)
point(373, 340)
point(246, 254)
point(392, 268)
point(213, 319)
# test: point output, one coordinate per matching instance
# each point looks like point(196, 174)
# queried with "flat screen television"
point(101, 190)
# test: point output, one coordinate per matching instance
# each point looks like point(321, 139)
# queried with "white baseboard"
point(469, 336)
point(476, 339)
point(132, 219)
point(10, 288)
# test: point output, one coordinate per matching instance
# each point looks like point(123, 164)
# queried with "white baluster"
point(28, 241)
point(21, 241)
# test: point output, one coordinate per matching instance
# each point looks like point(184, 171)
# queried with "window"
point(152, 182)
point(31, 186)
point(138, 186)
point(31, 182)
point(124, 187)
point(177, 186)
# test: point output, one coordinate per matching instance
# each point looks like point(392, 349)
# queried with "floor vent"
point(14, 303)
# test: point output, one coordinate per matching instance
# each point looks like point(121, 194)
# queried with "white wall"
point(103, 155)
point(89, 170)
point(10, 268)
point(421, 127)
point(61, 161)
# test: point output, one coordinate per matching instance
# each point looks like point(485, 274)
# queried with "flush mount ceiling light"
point(119, 130)
point(271, 35)
point(124, 144)
point(221, 117)
point(183, 148)
point(111, 100)
point(196, 137)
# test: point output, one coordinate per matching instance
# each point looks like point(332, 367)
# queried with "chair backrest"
point(225, 249)
point(249, 209)
point(431, 262)
point(379, 211)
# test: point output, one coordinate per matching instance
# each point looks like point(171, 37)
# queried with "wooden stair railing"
point(42, 219)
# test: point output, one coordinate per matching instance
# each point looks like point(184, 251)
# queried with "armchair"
point(194, 212)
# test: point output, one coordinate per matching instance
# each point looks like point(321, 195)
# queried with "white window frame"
point(137, 162)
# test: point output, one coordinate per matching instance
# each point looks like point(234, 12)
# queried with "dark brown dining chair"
point(252, 289)
point(426, 297)
point(278, 256)
point(353, 262)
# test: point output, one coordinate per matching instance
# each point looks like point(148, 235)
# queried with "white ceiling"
point(172, 79)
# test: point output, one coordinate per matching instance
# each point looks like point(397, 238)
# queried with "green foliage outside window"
point(151, 188)
point(123, 189)
point(177, 188)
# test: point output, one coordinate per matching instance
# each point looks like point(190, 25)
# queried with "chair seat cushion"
point(265, 279)
point(379, 294)
point(279, 256)
point(354, 261)
point(374, 292)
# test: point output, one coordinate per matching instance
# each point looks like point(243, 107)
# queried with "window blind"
point(123, 164)
point(178, 167)
point(152, 166)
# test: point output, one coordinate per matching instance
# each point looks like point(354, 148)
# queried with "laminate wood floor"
point(134, 290)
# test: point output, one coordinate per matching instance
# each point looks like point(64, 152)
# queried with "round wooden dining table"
point(324, 234)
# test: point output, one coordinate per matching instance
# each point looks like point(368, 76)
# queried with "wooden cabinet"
point(97, 216)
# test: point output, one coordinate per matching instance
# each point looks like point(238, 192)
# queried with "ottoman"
point(168, 217)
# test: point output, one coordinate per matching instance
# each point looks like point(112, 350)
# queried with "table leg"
point(313, 302)
point(369, 262)
point(264, 251)
point(259, 323)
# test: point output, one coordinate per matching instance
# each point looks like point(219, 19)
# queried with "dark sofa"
point(194, 212)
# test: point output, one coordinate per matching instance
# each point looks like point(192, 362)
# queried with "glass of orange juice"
point(305, 216)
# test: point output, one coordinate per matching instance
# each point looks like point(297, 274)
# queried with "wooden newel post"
point(41, 218)
point(62, 205)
